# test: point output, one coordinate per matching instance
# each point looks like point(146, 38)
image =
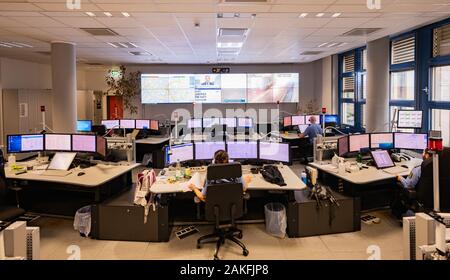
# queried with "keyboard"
point(57, 173)
point(395, 170)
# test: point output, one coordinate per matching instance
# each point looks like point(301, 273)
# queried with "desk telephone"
point(397, 157)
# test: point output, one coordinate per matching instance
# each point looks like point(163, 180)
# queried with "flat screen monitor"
point(382, 159)
point(358, 142)
point(410, 141)
point(25, 143)
point(343, 146)
point(128, 124)
point(302, 127)
point(409, 119)
point(110, 124)
point(331, 119)
point(154, 125)
point(84, 143)
point(242, 150)
point(308, 117)
point(58, 142)
point(180, 153)
point(245, 122)
point(287, 121)
point(278, 152)
point(206, 150)
point(382, 141)
point(142, 124)
point(298, 120)
point(194, 123)
point(102, 146)
point(229, 122)
point(210, 122)
point(61, 161)
point(84, 125)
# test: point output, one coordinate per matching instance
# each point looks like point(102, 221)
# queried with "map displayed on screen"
point(220, 88)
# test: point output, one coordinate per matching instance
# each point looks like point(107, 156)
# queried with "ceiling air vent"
point(140, 53)
point(233, 32)
point(100, 31)
point(247, 1)
point(311, 53)
point(361, 31)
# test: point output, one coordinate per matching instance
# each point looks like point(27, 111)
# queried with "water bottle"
point(178, 170)
point(304, 177)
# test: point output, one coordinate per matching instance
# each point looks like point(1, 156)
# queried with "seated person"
point(413, 178)
point(311, 132)
point(220, 157)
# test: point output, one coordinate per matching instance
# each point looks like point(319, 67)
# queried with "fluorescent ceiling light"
point(320, 15)
point(108, 14)
point(335, 15)
point(322, 45)
point(134, 45)
point(125, 14)
point(4, 45)
point(91, 14)
point(303, 15)
point(232, 45)
point(113, 45)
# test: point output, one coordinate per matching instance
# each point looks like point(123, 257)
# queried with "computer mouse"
point(81, 174)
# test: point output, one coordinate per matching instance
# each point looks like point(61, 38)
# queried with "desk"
point(48, 194)
point(151, 145)
point(230, 137)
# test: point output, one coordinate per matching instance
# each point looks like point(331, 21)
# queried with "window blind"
point(403, 50)
point(441, 41)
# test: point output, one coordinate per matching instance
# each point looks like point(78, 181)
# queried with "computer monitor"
point(184, 152)
point(382, 141)
point(154, 125)
point(358, 142)
point(242, 150)
point(128, 124)
point(279, 152)
point(382, 159)
point(194, 123)
point(302, 127)
point(287, 121)
point(210, 122)
point(84, 143)
point(343, 147)
point(206, 150)
point(298, 120)
point(229, 122)
point(409, 119)
point(142, 124)
point(58, 142)
point(84, 125)
point(245, 122)
point(61, 161)
point(102, 146)
point(25, 143)
point(330, 119)
point(110, 124)
point(317, 117)
point(410, 141)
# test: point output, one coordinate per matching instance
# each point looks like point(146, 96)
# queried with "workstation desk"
point(152, 145)
point(375, 187)
point(56, 195)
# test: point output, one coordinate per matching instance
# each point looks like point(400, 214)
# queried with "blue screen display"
point(331, 119)
point(15, 144)
point(84, 126)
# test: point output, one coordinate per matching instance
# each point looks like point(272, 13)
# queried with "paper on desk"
point(196, 180)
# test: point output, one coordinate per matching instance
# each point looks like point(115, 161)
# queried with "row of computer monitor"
point(239, 150)
point(302, 120)
point(131, 124)
point(211, 122)
point(398, 140)
point(83, 143)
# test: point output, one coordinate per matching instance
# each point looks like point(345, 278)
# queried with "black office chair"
point(224, 204)
point(7, 213)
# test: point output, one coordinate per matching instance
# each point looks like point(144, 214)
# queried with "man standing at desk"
point(311, 132)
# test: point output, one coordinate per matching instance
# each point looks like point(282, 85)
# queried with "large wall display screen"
point(220, 88)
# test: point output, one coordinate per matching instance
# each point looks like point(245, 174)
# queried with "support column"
point(377, 98)
point(64, 81)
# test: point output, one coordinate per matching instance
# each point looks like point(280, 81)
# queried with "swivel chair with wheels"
point(224, 204)
point(7, 212)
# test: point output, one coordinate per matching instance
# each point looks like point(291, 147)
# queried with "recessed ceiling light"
point(322, 45)
point(236, 15)
point(320, 15)
point(91, 14)
point(113, 45)
point(303, 15)
point(125, 14)
point(231, 45)
point(336, 15)
point(108, 14)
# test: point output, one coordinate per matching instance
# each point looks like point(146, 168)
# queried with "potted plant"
point(125, 85)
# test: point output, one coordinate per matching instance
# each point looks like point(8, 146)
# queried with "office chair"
point(224, 204)
point(7, 212)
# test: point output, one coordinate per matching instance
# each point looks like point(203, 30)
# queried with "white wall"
point(19, 74)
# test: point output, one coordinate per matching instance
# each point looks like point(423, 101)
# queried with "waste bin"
point(276, 221)
point(82, 221)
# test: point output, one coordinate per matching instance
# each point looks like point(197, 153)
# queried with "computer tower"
point(409, 238)
point(33, 243)
point(16, 240)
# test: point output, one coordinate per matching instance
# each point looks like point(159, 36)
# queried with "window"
point(348, 114)
point(349, 88)
point(364, 59)
point(402, 85)
point(441, 83)
point(441, 121)
point(441, 41)
point(403, 50)
point(348, 64)
point(364, 116)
